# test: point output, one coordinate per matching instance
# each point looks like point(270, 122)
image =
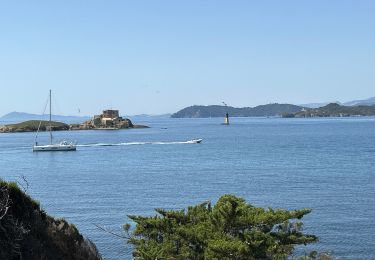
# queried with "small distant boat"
point(61, 146)
point(195, 141)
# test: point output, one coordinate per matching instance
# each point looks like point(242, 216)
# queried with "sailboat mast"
point(50, 113)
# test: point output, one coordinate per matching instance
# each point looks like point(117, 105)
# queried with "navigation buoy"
point(226, 119)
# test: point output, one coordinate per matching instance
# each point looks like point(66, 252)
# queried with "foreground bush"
point(231, 229)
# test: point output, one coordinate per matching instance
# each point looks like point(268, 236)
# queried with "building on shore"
point(109, 119)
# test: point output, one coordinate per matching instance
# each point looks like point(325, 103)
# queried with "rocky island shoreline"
point(333, 110)
point(108, 120)
point(278, 110)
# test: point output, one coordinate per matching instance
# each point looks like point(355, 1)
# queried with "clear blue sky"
point(159, 56)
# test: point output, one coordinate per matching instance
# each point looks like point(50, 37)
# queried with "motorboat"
point(195, 141)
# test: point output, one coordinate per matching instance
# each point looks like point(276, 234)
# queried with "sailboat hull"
point(62, 146)
point(53, 147)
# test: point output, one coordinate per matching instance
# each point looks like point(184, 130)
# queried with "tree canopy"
point(231, 229)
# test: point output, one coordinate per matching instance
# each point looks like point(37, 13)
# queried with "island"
point(33, 125)
point(274, 109)
point(277, 110)
point(108, 120)
point(333, 110)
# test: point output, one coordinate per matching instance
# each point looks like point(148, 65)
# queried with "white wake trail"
point(132, 143)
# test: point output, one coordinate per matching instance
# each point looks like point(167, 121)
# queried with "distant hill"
point(335, 110)
point(316, 105)
point(15, 117)
point(365, 102)
point(219, 111)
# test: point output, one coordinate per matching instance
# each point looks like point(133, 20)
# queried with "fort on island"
point(109, 119)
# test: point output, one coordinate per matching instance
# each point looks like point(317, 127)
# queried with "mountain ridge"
point(15, 117)
point(334, 110)
point(367, 102)
point(18, 117)
point(198, 111)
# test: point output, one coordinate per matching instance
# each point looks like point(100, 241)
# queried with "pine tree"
point(231, 229)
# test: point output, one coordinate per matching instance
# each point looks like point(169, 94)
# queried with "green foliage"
point(232, 229)
point(220, 111)
point(336, 110)
point(32, 125)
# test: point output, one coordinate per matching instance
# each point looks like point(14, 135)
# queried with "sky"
point(159, 56)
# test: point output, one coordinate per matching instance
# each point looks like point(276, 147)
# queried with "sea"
point(326, 164)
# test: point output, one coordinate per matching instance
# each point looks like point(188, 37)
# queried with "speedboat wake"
point(193, 141)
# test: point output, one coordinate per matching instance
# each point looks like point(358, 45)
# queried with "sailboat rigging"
point(61, 146)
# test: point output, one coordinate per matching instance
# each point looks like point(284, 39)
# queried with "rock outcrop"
point(28, 232)
point(109, 119)
point(121, 124)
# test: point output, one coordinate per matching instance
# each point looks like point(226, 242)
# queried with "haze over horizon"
point(149, 57)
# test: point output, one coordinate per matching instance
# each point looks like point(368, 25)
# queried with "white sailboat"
point(61, 146)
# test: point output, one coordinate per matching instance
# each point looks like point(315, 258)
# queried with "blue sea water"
point(324, 164)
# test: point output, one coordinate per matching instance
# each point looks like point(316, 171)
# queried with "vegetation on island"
point(334, 110)
point(219, 111)
point(231, 229)
point(284, 110)
point(28, 232)
point(32, 126)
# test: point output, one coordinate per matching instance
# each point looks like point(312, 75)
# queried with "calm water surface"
point(324, 164)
